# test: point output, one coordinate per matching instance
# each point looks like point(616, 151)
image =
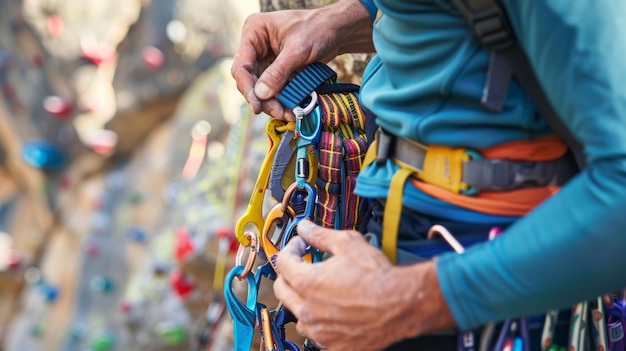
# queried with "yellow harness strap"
point(393, 212)
point(442, 167)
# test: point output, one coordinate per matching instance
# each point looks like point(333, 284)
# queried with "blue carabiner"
point(244, 316)
point(291, 346)
point(309, 197)
point(283, 317)
point(308, 133)
point(618, 309)
point(266, 271)
point(310, 129)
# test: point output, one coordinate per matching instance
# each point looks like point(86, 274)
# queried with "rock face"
point(126, 154)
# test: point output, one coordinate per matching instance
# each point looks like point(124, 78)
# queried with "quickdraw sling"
point(310, 170)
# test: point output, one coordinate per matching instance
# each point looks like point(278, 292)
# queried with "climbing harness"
point(310, 172)
point(457, 170)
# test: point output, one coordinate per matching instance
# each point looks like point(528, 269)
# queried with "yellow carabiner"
point(254, 212)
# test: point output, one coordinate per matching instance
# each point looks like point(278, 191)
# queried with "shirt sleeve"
point(371, 8)
point(573, 246)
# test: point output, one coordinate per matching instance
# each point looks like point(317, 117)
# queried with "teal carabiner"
point(308, 132)
point(310, 129)
point(244, 316)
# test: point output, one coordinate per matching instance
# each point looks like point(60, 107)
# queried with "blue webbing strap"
point(299, 88)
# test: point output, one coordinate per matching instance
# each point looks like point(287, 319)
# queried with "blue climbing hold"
point(42, 154)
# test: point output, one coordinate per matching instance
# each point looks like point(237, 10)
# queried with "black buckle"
point(488, 21)
point(385, 142)
point(509, 175)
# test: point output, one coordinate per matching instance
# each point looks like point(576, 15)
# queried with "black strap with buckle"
point(484, 174)
point(489, 22)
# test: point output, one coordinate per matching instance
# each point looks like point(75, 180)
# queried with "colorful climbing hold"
point(49, 292)
point(98, 53)
point(57, 106)
point(14, 261)
point(173, 333)
point(181, 284)
point(228, 233)
point(103, 341)
point(102, 284)
point(153, 58)
point(126, 307)
point(42, 154)
point(137, 234)
point(184, 246)
point(101, 141)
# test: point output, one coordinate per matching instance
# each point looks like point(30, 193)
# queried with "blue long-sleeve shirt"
point(425, 84)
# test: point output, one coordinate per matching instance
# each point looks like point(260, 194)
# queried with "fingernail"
point(262, 91)
point(276, 113)
point(289, 117)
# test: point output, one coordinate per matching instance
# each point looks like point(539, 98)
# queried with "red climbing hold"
point(153, 58)
point(228, 233)
point(99, 54)
point(57, 106)
point(181, 284)
point(184, 245)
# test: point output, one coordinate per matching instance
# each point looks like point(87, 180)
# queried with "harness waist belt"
point(466, 171)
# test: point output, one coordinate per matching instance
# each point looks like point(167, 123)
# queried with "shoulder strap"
point(489, 22)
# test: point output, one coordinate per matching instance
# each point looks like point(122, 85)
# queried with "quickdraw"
point(469, 340)
point(596, 325)
point(310, 171)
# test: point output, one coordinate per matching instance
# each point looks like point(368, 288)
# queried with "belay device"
point(310, 171)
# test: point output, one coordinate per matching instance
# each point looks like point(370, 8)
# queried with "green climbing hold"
point(103, 341)
point(173, 333)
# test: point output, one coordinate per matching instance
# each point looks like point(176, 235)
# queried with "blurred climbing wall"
point(118, 126)
point(126, 156)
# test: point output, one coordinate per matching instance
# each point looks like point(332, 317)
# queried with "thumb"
point(275, 77)
point(324, 239)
